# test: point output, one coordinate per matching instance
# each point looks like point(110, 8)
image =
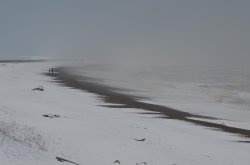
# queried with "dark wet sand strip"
point(110, 95)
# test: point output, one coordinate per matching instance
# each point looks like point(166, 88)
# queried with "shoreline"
point(20, 61)
point(119, 100)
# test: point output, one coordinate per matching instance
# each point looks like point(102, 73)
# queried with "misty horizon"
point(141, 32)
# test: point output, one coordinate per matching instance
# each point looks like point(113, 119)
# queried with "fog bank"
point(129, 32)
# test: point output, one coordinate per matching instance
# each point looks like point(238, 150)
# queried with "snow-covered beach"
point(83, 132)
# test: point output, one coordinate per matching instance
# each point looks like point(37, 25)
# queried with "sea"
point(217, 91)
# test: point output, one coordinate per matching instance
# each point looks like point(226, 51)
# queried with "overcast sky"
point(178, 31)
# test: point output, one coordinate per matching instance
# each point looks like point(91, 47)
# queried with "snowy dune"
point(86, 133)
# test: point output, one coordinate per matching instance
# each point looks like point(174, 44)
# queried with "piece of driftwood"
point(65, 160)
point(40, 88)
point(51, 116)
point(140, 140)
point(117, 162)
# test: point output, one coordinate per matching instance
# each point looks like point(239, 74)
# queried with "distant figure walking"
point(51, 71)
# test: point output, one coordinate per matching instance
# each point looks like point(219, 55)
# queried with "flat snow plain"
point(86, 133)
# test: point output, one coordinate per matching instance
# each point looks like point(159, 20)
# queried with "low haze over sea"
point(220, 91)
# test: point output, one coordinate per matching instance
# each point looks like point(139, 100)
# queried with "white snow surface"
point(86, 133)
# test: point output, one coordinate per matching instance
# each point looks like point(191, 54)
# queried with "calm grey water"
point(223, 91)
